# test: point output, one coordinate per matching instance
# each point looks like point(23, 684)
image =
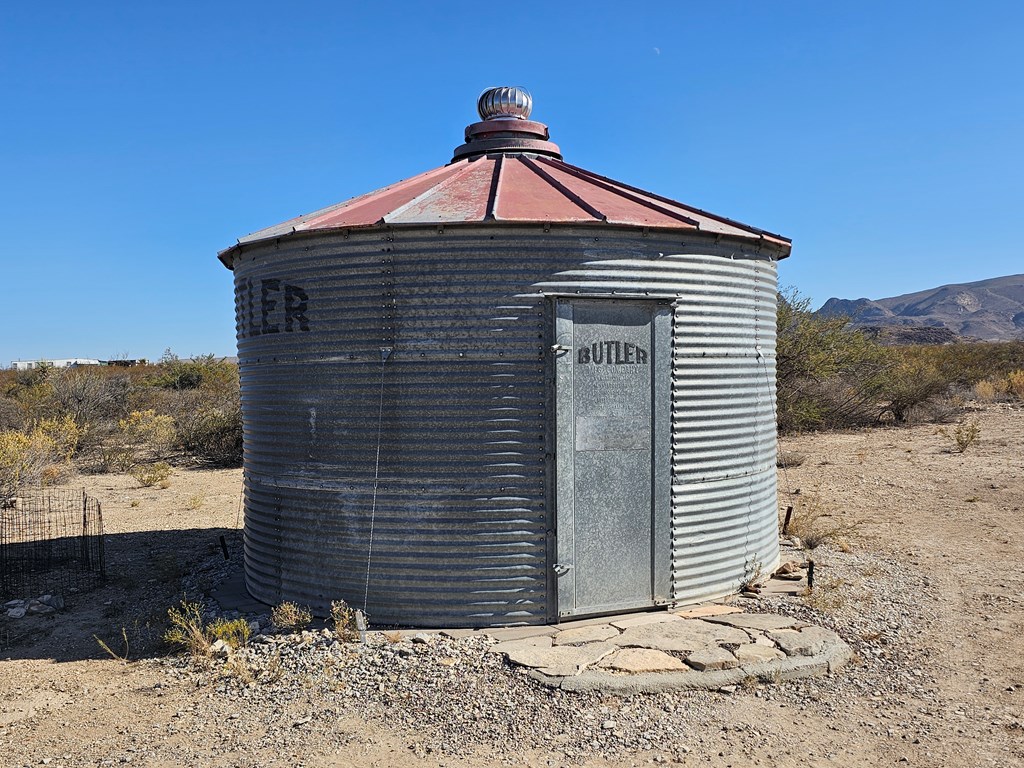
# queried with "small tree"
point(826, 374)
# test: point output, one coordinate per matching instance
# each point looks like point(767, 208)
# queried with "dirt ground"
point(952, 521)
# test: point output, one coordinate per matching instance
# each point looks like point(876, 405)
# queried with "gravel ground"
point(450, 697)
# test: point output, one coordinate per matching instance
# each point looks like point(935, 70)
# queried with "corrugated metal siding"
point(720, 528)
point(461, 526)
point(725, 510)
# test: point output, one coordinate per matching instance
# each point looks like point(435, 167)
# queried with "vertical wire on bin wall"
point(385, 353)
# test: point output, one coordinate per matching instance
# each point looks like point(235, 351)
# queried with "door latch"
point(561, 569)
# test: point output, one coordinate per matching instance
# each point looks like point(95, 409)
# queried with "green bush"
point(204, 371)
point(910, 385)
point(827, 376)
point(967, 363)
point(831, 376)
point(187, 631)
point(147, 431)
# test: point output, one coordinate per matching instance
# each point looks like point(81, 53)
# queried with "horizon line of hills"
point(986, 310)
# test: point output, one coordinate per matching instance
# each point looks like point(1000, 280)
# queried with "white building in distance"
point(67, 362)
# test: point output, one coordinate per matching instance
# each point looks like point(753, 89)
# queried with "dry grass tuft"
point(122, 657)
point(290, 616)
point(234, 632)
point(344, 618)
point(187, 631)
point(814, 524)
point(827, 596)
point(753, 576)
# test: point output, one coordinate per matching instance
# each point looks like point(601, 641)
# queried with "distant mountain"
point(990, 310)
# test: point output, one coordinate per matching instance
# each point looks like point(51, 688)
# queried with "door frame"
point(561, 582)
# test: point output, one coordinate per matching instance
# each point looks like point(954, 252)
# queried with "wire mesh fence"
point(51, 544)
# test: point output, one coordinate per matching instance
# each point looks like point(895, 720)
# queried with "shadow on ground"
point(147, 573)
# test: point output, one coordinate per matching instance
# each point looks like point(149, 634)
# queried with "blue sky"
point(138, 139)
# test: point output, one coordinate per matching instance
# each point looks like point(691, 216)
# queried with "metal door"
point(612, 380)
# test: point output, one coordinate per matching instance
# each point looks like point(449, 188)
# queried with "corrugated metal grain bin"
point(506, 390)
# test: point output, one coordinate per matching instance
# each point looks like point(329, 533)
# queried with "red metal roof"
point(512, 188)
point(508, 172)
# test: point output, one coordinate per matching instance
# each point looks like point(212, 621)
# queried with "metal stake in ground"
point(785, 523)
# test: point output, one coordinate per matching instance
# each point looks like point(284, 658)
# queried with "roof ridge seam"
point(684, 206)
point(491, 211)
point(354, 201)
point(552, 181)
point(623, 190)
point(391, 215)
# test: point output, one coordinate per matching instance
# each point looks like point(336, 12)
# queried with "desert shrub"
point(114, 457)
point(131, 415)
point(908, 385)
point(290, 616)
point(987, 390)
point(65, 433)
point(32, 392)
point(826, 375)
point(89, 394)
point(212, 434)
point(234, 632)
point(1015, 384)
point(344, 619)
point(140, 436)
point(753, 576)
point(32, 377)
point(964, 364)
point(828, 595)
point(964, 435)
point(28, 459)
point(207, 416)
point(204, 371)
point(148, 475)
point(147, 431)
point(11, 414)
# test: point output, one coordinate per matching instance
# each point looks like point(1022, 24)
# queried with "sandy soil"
point(950, 522)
